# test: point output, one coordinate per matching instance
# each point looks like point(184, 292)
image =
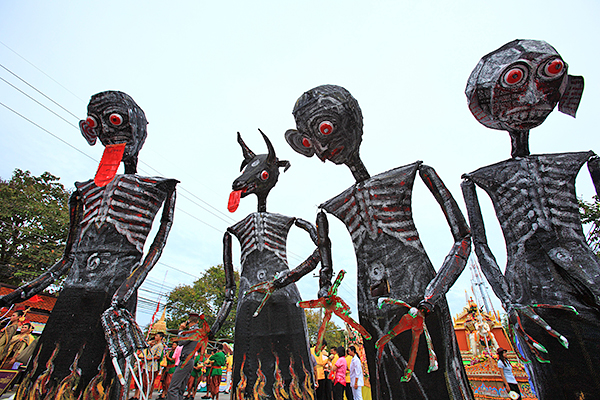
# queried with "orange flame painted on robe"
point(295, 391)
point(23, 389)
point(279, 385)
point(66, 388)
point(40, 386)
point(259, 385)
point(309, 392)
point(239, 391)
point(97, 389)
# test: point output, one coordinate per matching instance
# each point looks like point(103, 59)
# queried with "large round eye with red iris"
point(514, 76)
point(115, 119)
point(306, 142)
point(325, 127)
point(554, 67)
point(264, 175)
point(91, 122)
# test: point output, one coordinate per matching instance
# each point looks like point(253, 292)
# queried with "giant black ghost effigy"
point(392, 264)
point(271, 351)
point(110, 219)
point(551, 284)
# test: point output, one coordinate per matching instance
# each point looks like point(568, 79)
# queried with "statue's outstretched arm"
point(594, 168)
point(486, 259)
point(455, 261)
point(286, 278)
point(229, 287)
point(308, 265)
point(498, 282)
point(122, 333)
point(59, 268)
point(324, 244)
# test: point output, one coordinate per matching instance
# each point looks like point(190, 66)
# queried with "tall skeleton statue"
point(110, 219)
point(392, 264)
point(551, 284)
point(271, 351)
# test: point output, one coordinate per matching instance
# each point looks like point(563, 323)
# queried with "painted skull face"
point(329, 124)
point(527, 91)
point(113, 117)
point(517, 86)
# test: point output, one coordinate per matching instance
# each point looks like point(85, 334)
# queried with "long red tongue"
point(234, 200)
point(109, 164)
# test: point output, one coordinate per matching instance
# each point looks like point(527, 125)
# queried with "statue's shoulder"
point(392, 183)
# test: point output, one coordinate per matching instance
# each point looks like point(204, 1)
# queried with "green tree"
point(34, 221)
point(334, 335)
point(590, 214)
point(204, 296)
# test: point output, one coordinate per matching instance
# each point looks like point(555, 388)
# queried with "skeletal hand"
point(264, 287)
point(528, 311)
point(122, 333)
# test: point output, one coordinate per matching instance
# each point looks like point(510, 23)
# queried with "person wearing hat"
point(507, 375)
point(183, 370)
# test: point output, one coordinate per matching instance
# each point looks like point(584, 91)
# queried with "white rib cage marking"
point(263, 231)
point(540, 192)
point(117, 204)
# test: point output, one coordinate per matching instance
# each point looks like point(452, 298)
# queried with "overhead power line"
point(25, 94)
point(48, 132)
point(34, 66)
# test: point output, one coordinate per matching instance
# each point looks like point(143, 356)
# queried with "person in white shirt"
point(356, 374)
point(507, 375)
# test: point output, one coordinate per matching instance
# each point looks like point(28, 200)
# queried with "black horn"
point(248, 154)
point(271, 158)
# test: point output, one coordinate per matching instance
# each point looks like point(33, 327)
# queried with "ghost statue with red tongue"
point(111, 217)
point(270, 331)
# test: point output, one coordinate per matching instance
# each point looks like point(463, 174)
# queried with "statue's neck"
point(519, 141)
point(262, 203)
point(358, 169)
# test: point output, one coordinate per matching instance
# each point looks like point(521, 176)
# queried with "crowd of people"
point(176, 379)
point(338, 372)
point(16, 341)
point(162, 365)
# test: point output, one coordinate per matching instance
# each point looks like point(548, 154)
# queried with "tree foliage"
point(334, 335)
point(34, 221)
point(203, 296)
point(590, 214)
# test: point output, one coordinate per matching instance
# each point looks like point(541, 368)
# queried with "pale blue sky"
point(204, 70)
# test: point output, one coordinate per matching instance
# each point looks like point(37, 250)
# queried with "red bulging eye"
point(115, 119)
point(325, 127)
point(554, 67)
point(514, 76)
point(306, 142)
point(91, 122)
point(264, 175)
